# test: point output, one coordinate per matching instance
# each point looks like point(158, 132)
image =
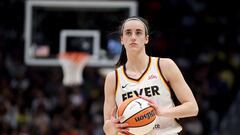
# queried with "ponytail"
point(123, 58)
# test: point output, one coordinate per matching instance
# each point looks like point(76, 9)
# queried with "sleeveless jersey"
point(153, 85)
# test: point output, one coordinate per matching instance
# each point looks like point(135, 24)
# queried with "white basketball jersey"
point(153, 85)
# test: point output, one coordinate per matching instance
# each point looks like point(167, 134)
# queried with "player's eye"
point(128, 33)
point(138, 33)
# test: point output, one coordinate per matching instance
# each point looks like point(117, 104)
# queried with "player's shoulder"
point(111, 75)
point(166, 62)
point(163, 59)
point(110, 81)
point(167, 66)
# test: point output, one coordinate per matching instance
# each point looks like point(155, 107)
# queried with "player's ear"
point(147, 39)
point(121, 40)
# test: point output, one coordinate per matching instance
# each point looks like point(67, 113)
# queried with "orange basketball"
point(138, 114)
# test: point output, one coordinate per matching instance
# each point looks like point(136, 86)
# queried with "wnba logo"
point(152, 77)
point(145, 116)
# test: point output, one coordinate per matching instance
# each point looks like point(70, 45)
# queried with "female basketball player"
point(135, 75)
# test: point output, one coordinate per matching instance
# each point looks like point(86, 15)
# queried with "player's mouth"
point(133, 44)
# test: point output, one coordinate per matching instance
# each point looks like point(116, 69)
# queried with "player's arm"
point(112, 125)
point(173, 75)
point(109, 103)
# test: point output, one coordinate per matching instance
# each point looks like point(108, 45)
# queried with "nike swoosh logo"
point(124, 86)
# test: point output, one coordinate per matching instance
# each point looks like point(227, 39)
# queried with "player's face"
point(134, 35)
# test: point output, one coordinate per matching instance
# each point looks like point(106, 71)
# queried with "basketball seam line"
point(127, 105)
point(136, 113)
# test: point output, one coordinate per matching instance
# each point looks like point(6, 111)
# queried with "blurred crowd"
point(202, 37)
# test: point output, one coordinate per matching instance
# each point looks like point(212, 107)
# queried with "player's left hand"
point(153, 104)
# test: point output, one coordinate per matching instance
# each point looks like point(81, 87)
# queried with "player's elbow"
point(194, 109)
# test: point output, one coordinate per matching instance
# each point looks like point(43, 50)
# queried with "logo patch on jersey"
point(157, 126)
point(152, 77)
point(124, 86)
point(128, 86)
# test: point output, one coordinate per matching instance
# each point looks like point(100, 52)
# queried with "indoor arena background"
point(202, 37)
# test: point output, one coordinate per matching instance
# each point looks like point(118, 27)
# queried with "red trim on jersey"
point(116, 86)
point(160, 71)
point(148, 67)
point(174, 97)
point(163, 78)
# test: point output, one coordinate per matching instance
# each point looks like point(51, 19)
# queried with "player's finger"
point(151, 103)
point(121, 126)
point(121, 118)
point(117, 120)
point(124, 132)
point(145, 98)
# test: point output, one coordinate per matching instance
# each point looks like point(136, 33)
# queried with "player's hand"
point(121, 127)
point(157, 109)
point(109, 128)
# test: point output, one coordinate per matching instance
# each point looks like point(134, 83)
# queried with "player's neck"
point(137, 63)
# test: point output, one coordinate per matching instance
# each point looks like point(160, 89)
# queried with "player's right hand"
point(121, 127)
